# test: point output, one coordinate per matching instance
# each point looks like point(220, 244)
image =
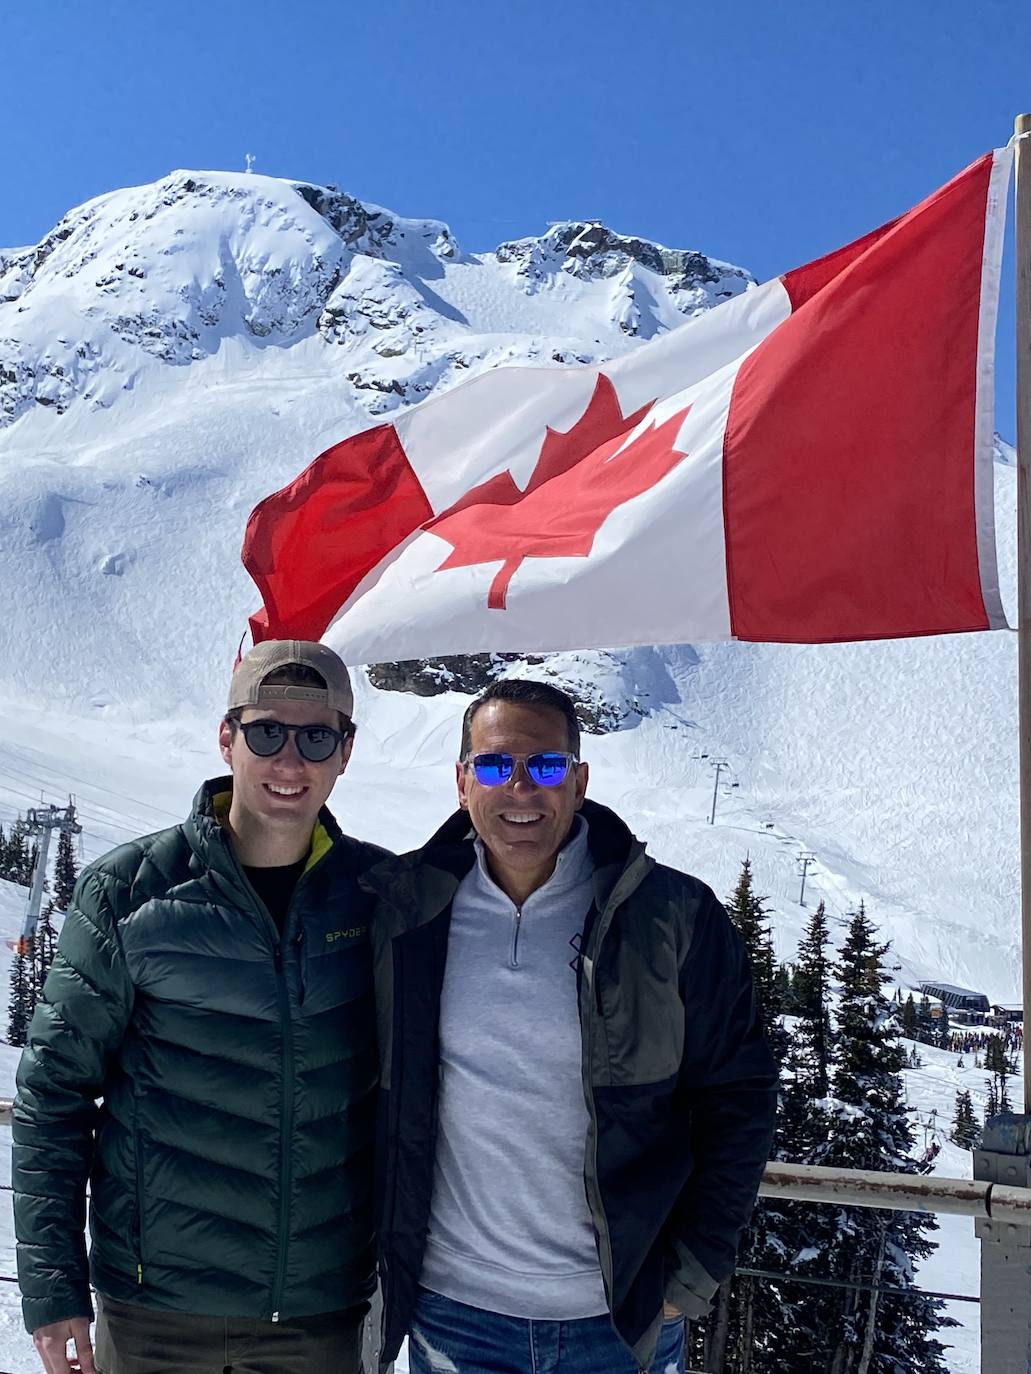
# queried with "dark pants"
point(140, 1340)
point(448, 1337)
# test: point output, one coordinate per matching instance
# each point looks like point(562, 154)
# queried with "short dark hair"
point(294, 675)
point(524, 692)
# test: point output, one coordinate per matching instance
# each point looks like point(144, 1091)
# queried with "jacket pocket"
point(640, 1008)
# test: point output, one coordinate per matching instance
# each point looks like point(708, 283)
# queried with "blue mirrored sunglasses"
point(546, 769)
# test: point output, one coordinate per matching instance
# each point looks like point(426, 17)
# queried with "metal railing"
point(1001, 1211)
point(963, 1197)
point(999, 1200)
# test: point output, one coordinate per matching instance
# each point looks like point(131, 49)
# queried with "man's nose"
point(290, 755)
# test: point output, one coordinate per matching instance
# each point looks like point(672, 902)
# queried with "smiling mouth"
point(284, 791)
point(522, 817)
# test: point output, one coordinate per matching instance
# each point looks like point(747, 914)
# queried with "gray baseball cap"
point(246, 686)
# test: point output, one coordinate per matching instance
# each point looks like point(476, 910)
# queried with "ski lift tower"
point(43, 821)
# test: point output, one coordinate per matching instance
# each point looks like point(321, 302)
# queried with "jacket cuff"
point(689, 1287)
point(42, 1311)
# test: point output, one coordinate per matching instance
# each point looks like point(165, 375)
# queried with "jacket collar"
point(418, 886)
point(209, 838)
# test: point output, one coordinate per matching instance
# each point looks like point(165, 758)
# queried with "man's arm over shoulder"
point(81, 1018)
point(728, 1089)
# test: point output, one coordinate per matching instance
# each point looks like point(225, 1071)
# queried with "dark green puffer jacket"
point(231, 1159)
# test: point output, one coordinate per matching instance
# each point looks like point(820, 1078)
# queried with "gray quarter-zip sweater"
point(510, 1229)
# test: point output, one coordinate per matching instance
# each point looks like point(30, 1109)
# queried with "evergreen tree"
point(925, 1021)
point(746, 1309)
point(1004, 1097)
point(30, 867)
point(44, 944)
point(909, 1018)
point(995, 1060)
point(991, 1106)
point(965, 1131)
point(998, 1066)
point(748, 912)
point(783, 988)
point(20, 1004)
point(799, 1233)
point(18, 857)
point(66, 870)
point(869, 1130)
point(944, 1028)
point(812, 998)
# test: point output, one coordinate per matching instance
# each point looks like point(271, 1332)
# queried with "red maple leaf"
point(576, 484)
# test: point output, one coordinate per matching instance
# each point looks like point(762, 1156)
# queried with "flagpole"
point(1022, 221)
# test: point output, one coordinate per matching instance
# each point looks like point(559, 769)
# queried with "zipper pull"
point(299, 956)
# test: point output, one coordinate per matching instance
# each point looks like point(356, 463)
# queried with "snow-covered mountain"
point(169, 273)
point(171, 353)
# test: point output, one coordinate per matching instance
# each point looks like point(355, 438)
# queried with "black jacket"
point(231, 1159)
point(678, 1080)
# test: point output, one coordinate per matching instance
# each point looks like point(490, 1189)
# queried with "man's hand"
point(670, 1313)
point(52, 1343)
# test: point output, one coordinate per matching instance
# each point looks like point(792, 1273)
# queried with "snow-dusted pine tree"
point(45, 943)
point(803, 1230)
point(747, 1308)
point(66, 870)
point(925, 1021)
point(18, 857)
point(748, 912)
point(20, 1005)
point(991, 1106)
point(873, 1330)
point(966, 1133)
point(998, 1066)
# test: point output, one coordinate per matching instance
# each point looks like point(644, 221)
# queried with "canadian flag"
point(808, 462)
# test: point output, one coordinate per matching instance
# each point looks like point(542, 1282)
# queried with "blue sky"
point(764, 133)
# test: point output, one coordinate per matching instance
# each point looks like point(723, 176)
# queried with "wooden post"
point(1022, 218)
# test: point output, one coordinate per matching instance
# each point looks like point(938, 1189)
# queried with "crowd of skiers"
point(969, 1041)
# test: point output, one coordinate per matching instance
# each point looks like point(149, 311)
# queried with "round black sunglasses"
point(316, 743)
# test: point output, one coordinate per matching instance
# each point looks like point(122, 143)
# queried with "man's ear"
point(225, 742)
point(345, 752)
point(582, 775)
point(460, 779)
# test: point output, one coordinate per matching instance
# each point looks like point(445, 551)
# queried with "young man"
point(577, 1101)
point(212, 986)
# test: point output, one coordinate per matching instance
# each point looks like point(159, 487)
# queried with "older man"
point(213, 987)
point(578, 1100)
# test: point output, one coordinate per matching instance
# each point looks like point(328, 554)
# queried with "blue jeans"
point(448, 1337)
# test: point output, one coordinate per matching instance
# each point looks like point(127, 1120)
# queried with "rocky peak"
point(611, 690)
point(589, 249)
